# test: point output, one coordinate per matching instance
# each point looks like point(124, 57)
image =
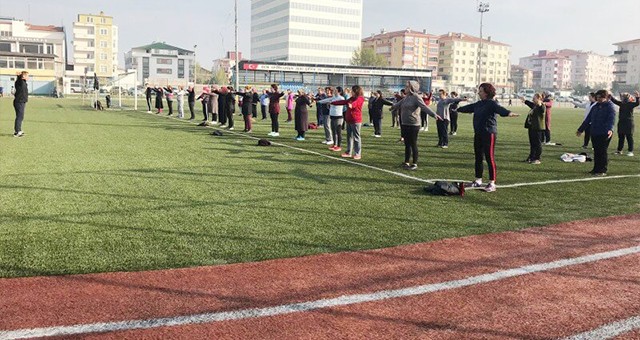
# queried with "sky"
point(528, 26)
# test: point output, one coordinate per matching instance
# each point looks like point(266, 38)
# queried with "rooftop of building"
point(406, 32)
point(161, 46)
point(48, 28)
point(95, 15)
point(634, 41)
point(469, 38)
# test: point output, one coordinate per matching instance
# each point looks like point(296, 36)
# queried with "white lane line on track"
point(418, 179)
point(344, 300)
point(610, 330)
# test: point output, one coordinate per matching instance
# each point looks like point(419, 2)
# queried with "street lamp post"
point(195, 67)
point(482, 8)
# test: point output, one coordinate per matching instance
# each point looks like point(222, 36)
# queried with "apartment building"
point(95, 47)
point(566, 69)
point(40, 50)
point(458, 61)
point(627, 65)
point(521, 77)
point(306, 31)
point(161, 63)
point(406, 49)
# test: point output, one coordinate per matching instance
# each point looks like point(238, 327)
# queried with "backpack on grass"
point(443, 188)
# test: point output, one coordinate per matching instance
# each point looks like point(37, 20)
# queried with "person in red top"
point(274, 109)
point(424, 121)
point(353, 118)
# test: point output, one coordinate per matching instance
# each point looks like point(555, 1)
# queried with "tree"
point(203, 75)
point(220, 77)
point(368, 57)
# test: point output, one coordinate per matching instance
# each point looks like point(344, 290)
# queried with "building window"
point(103, 44)
point(103, 56)
point(5, 33)
point(103, 69)
point(90, 43)
point(104, 31)
point(145, 67)
point(181, 68)
point(164, 61)
point(89, 19)
point(164, 71)
point(103, 20)
point(90, 31)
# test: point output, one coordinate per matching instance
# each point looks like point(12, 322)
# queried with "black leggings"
point(410, 135)
point(423, 118)
point(621, 137)
point(274, 122)
point(454, 120)
point(587, 136)
point(191, 109)
point(377, 128)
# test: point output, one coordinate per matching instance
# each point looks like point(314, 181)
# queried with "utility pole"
point(483, 7)
point(195, 67)
point(237, 75)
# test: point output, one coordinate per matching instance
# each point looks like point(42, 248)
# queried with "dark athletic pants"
point(600, 158)
point(483, 147)
point(274, 122)
point(454, 120)
point(443, 138)
point(19, 107)
point(621, 137)
point(410, 135)
point(377, 126)
point(535, 144)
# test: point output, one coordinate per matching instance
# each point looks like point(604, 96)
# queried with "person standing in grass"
point(548, 103)
point(192, 101)
point(214, 106)
point(587, 108)
point(600, 120)
point(353, 117)
point(274, 109)
point(485, 127)
point(264, 103)
point(625, 120)
point(169, 95)
point(410, 108)
point(376, 105)
point(204, 99)
point(442, 110)
point(453, 115)
point(290, 105)
point(255, 99)
point(335, 116)
point(159, 93)
point(147, 92)
point(247, 102)
point(324, 109)
point(21, 97)
point(424, 118)
point(535, 126)
point(301, 114)
point(180, 97)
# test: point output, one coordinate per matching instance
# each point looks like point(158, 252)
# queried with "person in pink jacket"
point(290, 104)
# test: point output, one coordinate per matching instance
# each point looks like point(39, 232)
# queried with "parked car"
point(75, 87)
point(115, 89)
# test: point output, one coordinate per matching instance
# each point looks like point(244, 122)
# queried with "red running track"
point(549, 304)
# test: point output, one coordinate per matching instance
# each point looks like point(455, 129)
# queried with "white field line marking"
point(311, 305)
point(431, 181)
point(609, 331)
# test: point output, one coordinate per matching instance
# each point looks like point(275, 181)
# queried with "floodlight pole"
point(483, 7)
point(195, 67)
point(237, 76)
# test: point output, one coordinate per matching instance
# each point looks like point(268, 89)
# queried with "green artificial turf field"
point(88, 191)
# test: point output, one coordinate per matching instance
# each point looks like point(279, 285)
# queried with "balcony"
point(621, 62)
point(619, 72)
point(621, 52)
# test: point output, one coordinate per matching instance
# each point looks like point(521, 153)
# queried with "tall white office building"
point(306, 31)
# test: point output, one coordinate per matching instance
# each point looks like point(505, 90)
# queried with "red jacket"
point(354, 113)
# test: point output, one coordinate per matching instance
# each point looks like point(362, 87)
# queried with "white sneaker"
point(148, 111)
point(491, 187)
point(377, 136)
point(276, 134)
point(223, 125)
point(630, 154)
point(476, 184)
point(271, 133)
point(454, 134)
point(231, 128)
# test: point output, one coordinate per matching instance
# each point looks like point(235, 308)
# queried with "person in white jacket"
point(180, 96)
point(335, 114)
